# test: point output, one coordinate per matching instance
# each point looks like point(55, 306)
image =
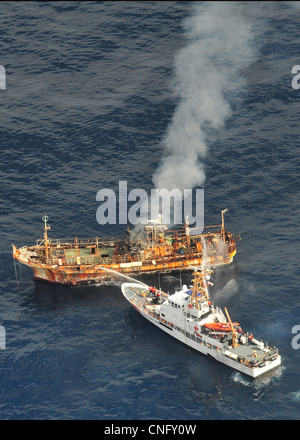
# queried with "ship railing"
point(124, 258)
point(206, 227)
point(95, 241)
point(84, 261)
point(87, 260)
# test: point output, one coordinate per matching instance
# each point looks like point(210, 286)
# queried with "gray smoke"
point(219, 46)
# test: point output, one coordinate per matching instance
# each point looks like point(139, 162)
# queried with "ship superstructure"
point(190, 316)
point(155, 248)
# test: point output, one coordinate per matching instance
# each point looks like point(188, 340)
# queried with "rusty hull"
point(81, 274)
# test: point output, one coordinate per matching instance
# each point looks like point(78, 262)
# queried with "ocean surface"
point(89, 98)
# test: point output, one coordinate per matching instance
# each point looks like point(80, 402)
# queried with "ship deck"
point(138, 295)
point(248, 351)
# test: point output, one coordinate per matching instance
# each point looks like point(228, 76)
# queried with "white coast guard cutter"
point(189, 316)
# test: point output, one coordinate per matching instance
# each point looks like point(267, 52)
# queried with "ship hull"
point(109, 273)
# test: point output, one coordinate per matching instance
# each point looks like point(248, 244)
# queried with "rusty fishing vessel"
point(99, 260)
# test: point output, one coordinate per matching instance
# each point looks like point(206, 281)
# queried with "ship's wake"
point(259, 384)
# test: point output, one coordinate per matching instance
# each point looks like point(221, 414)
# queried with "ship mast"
point(46, 229)
point(196, 284)
point(223, 225)
point(234, 333)
point(198, 287)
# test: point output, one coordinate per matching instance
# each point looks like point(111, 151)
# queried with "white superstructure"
point(189, 316)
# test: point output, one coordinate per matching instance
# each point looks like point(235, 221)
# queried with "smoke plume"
point(219, 46)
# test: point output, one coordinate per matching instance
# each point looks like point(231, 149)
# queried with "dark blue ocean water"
point(88, 100)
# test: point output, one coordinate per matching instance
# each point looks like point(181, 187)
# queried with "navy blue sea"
point(88, 100)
